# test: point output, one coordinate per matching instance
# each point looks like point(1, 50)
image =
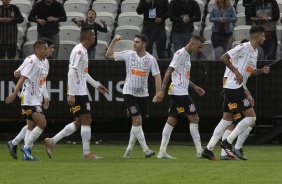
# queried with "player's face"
point(138, 44)
point(51, 49)
point(196, 47)
point(42, 51)
point(261, 38)
point(91, 15)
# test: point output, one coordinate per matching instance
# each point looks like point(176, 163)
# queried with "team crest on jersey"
point(246, 102)
point(178, 52)
point(88, 106)
point(79, 52)
point(192, 108)
point(31, 61)
point(133, 109)
point(38, 108)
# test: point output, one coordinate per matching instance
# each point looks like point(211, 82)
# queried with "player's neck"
point(40, 58)
point(254, 44)
point(86, 45)
point(141, 53)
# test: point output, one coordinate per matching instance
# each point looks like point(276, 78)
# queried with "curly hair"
point(226, 4)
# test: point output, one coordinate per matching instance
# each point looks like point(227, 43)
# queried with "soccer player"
point(25, 132)
point(33, 82)
point(78, 97)
point(181, 102)
point(139, 64)
point(244, 63)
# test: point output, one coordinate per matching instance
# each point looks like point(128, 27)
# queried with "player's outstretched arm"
point(110, 51)
point(264, 70)
point(96, 84)
point(13, 95)
point(198, 89)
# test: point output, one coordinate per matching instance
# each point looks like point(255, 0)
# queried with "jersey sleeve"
point(176, 59)
point(121, 56)
point(75, 58)
point(29, 70)
point(154, 66)
point(236, 52)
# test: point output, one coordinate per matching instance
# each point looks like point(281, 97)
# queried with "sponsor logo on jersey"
point(138, 72)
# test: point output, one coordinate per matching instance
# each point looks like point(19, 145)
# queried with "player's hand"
point(239, 77)
point(102, 89)
point(265, 70)
point(199, 90)
point(117, 38)
point(71, 100)
point(11, 98)
point(158, 97)
point(251, 100)
point(46, 103)
point(17, 73)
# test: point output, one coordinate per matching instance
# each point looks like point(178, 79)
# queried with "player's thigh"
point(131, 103)
point(39, 119)
point(85, 119)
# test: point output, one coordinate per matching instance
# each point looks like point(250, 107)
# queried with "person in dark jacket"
point(10, 16)
point(47, 14)
point(155, 14)
point(183, 14)
point(90, 22)
point(266, 13)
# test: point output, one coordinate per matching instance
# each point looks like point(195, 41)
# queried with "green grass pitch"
point(264, 165)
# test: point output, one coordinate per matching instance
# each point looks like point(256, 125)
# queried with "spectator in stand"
point(247, 5)
point(47, 14)
point(223, 16)
point(183, 14)
point(90, 22)
point(155, 14)
point(10, 16)
point(266, 13)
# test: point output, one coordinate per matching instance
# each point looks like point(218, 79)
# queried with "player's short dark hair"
point(142, 37)
point(84, 32)
point(47, 40)
point(38, 43)
point(244, 41)
point(198, 38)
point(257, 29)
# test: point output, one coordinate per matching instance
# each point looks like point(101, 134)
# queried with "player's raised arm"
point(110, 52)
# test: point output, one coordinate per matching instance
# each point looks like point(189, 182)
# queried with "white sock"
point(242, 137)
point(140, 136)
point(225, 135)
point(241, 126)
point(218, 132)
point(132, 140)
point(20, 136)
point(86, 136)
point(35, 133)
point(194, 130)
point(68, 130)
point(27, 134)
point(165, 137)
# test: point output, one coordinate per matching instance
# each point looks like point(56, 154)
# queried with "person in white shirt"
point(139, 64)
point(78, 97)
point(181, 102)
point(25, 132)
point(33, 81)
point(244, 63)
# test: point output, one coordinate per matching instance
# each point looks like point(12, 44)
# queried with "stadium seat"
point(240, 8)
point(104, 36)
point(207, 32)
point(28, 48)
point(168, 23)
point(127, 32)
point(65, 49)
point(196, 31)
point(23, 25)
point(279, 32)
point(70, 33)
point(76, 6)
point(124, 45)
point(71, 15)
point(109, 6)
point(241, 32)
point(240, 19)
point(31, 34)
point(279, 2)
point(208, 22)
point(101, 49)
point(279, 51)
point(129, 5)
point(235, 43)
point(108, 17)
point(24, 5)
point(20, 35)
point(279, 22)
point(207, 50)
point(130, 18)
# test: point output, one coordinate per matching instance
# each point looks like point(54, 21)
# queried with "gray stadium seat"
point(65, 49)
point(70, 33)
point(101, 49)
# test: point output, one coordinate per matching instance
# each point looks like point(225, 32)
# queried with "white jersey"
point(24, 64)
point(36, 72)
point(244, 58)
point(180, 77)
point(137, 72)
point(79, 61)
